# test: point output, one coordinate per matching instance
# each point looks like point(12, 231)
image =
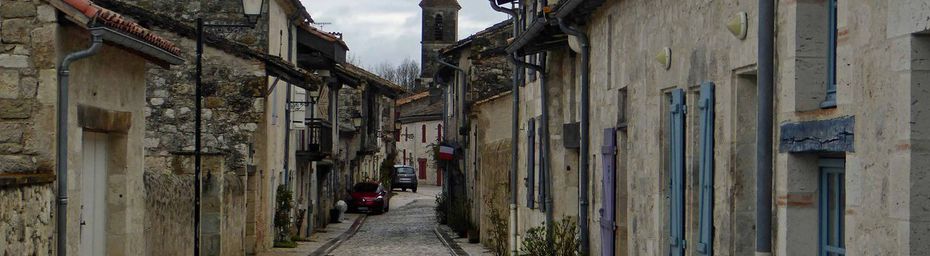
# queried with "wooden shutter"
point(705, 244)
point(677, 173)
point(530, 164)
point(608, 210)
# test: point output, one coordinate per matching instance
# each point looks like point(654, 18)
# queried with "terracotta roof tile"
point(116, 21)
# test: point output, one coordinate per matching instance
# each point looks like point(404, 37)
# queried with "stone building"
point(420, 118)
point(481, 72)
point(235, 92)
point(100, 194)
point(331, 160)
point(670, 90)
point(439, 30)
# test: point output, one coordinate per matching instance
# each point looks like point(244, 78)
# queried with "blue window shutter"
point(677, 173)
point(543, 172)
point(608, 212)
point(530, 164)
point(705, 244)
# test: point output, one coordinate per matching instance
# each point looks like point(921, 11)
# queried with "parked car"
point(404, 177)
point(369, 197)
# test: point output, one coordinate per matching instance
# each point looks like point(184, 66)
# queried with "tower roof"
point(440, 3)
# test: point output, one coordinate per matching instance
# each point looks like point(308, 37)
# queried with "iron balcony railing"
point(316, 141)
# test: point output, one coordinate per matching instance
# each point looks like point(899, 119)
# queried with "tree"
point(404, 74)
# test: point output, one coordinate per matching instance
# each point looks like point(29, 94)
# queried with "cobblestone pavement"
point(406, 230)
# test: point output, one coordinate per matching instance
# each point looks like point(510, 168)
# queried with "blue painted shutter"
point(608, 212)
point(705, 244)
point(543, 172)
point(530, 164)
point(677, 173)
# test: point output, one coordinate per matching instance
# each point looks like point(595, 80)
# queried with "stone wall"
point(27, 98)
point(493, 164)
point(232, 109)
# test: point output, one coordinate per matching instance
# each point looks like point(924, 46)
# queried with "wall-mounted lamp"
point(665, 58)
point(357, 120)
point(739, 25)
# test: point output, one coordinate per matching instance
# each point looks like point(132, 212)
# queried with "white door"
point(93, 194)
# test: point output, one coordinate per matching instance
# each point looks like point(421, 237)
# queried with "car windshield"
point(366, 187)
point(405, 170)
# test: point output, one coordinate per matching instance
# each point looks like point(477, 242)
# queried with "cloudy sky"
point(389, 30)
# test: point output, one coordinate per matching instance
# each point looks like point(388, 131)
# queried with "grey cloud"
point(389, 30)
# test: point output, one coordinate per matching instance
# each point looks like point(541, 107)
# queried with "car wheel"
point(403, 189)
point(414, 190)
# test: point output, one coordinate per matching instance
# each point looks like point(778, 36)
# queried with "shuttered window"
point(677, 173)
point(830, 101)
point(705, 246)
point(530, 164)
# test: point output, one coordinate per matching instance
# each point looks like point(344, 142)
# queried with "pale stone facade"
point(105, 135)
point(878, 113)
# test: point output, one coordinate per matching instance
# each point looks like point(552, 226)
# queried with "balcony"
point(315, 143)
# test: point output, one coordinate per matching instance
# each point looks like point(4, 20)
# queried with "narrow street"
point(407, 229)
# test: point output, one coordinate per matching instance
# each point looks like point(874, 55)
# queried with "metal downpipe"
point(585, 134)
point(64, 73)
point(515, 133)
point(764, 133)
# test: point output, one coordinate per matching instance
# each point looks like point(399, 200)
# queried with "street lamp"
point(252, 9)
point(357, 121)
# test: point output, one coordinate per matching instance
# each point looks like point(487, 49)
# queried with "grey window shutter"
point(705, 244)
point(530, 164)
point(608, 210)
point(677, 173)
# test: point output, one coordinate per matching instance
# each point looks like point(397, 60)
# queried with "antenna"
point(321, 24)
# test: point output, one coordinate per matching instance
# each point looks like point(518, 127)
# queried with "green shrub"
point(564, 239)
point(282, 220)
point(498, 231)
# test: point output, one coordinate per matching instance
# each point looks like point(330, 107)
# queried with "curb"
point(454, 248)
point(335, 243)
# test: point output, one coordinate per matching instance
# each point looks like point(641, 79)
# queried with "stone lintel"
point(98, 119)
point(821, 136)
point(23, 179)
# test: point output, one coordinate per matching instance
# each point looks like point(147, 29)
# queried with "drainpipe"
point(545, 169)
point(514, 131)
point(64, 72)
point(764, 132)
point(585, 136)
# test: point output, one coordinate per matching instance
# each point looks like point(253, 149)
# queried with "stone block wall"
point(27, 97)
point(233, 106)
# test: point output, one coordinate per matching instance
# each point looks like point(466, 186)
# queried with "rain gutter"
point(764, 133)
point(583, 166)
point(515, 134)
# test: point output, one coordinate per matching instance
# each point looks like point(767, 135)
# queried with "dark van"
point(405, 177)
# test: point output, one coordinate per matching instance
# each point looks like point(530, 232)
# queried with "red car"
point(370, 197)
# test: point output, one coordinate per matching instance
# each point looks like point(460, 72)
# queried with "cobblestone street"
point(406, 230)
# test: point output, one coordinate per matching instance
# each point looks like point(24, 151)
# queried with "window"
point(832, 206)
point(438, 29)
point(439, 132)
point(423, 134)
point(830, 101)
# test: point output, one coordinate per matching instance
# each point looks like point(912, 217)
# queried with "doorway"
point(421, 165)
point(93, 194)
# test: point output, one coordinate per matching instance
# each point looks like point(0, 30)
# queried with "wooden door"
point(421, 165)
point(93, 194)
